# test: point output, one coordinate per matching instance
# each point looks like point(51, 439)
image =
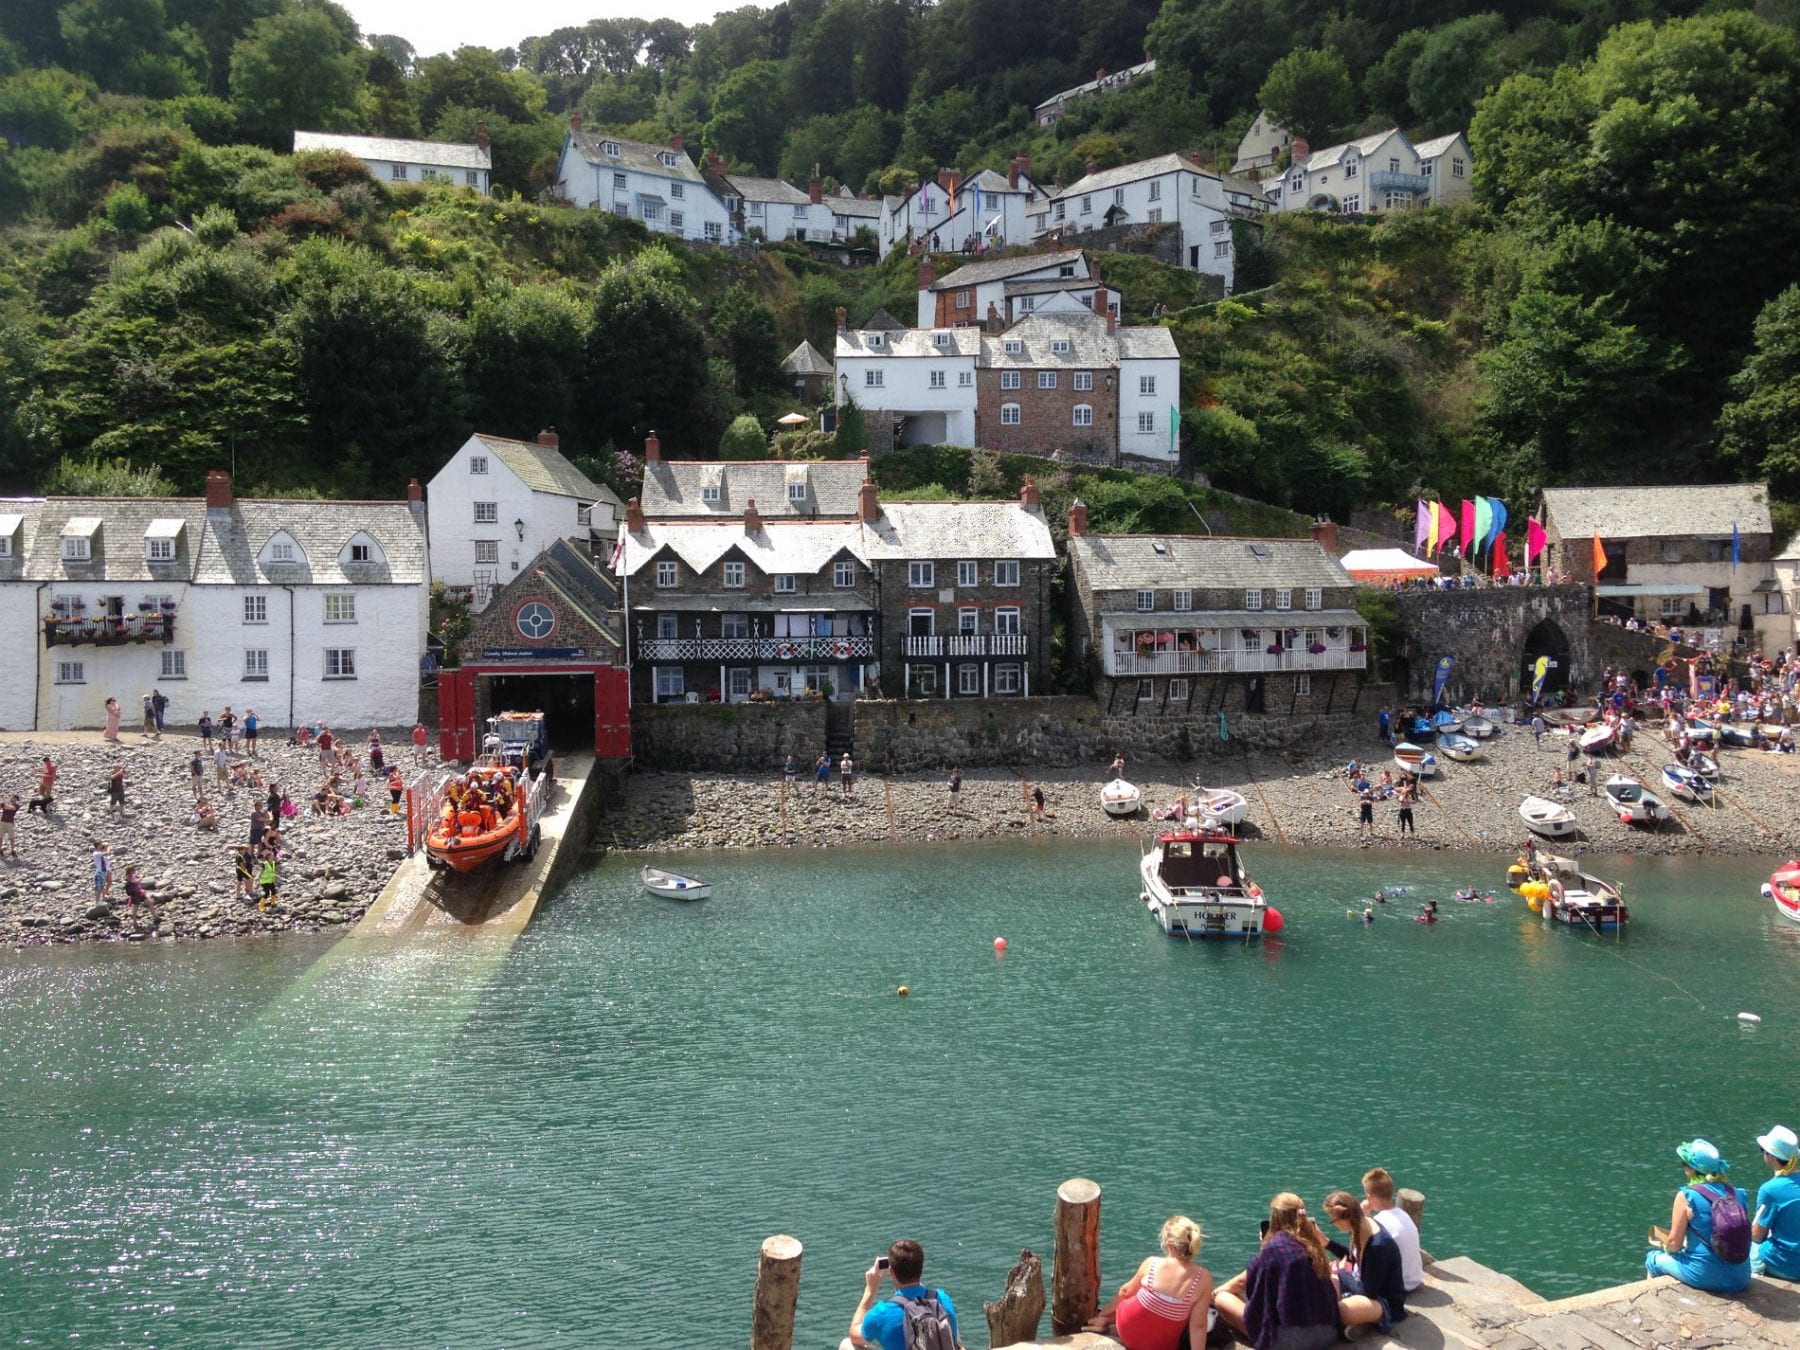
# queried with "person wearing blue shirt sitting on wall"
point(1775, 1231)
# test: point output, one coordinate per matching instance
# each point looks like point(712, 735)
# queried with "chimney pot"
point(634, 516)
point(1093, 166)
point(868, 507)
point(752, 521)
point(1077, 518)
point(815, 187)
point(575, 121)
point(1100, 74)
point(548, 438)
point(415, 492)
point(652, 449)
point(1324, 533)
point(218, 490)
point(1028, 494)
point(481, 136)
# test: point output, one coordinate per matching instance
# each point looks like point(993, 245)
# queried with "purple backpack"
point(1730, 1225)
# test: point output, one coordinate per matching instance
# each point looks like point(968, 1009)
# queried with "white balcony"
point(963, 644)
point(1233, 662)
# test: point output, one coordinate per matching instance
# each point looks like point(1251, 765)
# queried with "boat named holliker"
point(1195, 885)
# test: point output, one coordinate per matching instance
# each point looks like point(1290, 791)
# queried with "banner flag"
point(1535, 539)
point(1428, 526)
point(1446, 526)
point(1443, 678)
point(1502, 564)
point(1483, 533)
point(1736, 549)
point(1499, 522)
point(1470, 514)
point(1423, 527)
point(1538, 675)
point(1599, 556)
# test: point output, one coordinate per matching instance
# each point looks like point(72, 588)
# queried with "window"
point(1154, 216)
point(1353, 203)
point(734, 625)
point(1027, 304)
point(740, 683)
point(1006, 572)
point(174, 665)
point(678, 190)
point(1146, 384)
point(919, 574)
point(487, 551)
point(1349, 168)
point(1061, 212)
point(963, 300)
point(876, 340)
point(1184, 601)
point(6, 546)
point(1059, 346)
point(734, 575)
point(937, 379)
point(340, 608)
point(71, 672)
point(159, 550)
point(715, 232)
point(669, 685)
point(668, 159)
point(487, 513)
point(1046, 379)
point(1673, 607)
point(665, 574)
point(1009, 379)
point(940, 339)
point(340, 663)
point(1178, 691)
point(622, 209)
point(1303, 684)
point(756, 208)
point(75, 549)
point(477, 463)
point(1394, 164)
point(1315, 598)
point(1456, 166)
point(784, 583)
point(653, 210)
point(1006, 679)
point(1012, 346)
point(472, 178)
point(610, 148)
point(1146, 422)
point(361, 553)
point(1146, 601)
point(666, 626)
point(1009, 414)
point(843, 575)
point(968, 620)
point(1671, 550)
point(1156, 191)
point(1084, 415)
point(925, 680)
point(964, 378)
point(1146, 690)
point(1253, 599)
point(256, 663)
point(584, 514)
point(968, 574)
point(1218, 227)
point(710, 493)
point(397, 173)
point(1084, 381)
point(677, 220)
point(968, 679)
point(256, 609)
point(872, 379)
point(796, 492)
point(1118, 196)
point(1284, 598)
point(1087, 206)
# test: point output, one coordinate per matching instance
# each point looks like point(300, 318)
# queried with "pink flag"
point(1468, 526)
point(1446, 525)
point(1535, 539)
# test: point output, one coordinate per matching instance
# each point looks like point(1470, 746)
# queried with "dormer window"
point(796, 492)
point(76, 548)
point(610, 148)
point(710, 494)
point(876, 340)
point(159, 550)
point(668, 159)
point(281, 552)
point(1060, 346)
point(940, 339)
point(1013, 347)
point(360, 549)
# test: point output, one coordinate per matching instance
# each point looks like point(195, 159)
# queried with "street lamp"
point(519, 528)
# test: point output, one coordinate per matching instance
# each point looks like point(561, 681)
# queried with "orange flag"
point(1599, 556)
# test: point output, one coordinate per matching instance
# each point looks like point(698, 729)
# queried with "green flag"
point(1484, 525)
point(1174, 429)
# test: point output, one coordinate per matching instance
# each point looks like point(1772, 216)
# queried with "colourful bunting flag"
point(1502, 564)
point(1599, 556)
point(1468, 525)
point(1499, 522)
point(1446, 526)
point(1535, 539)
point(1480, 526)
point(1425, 535)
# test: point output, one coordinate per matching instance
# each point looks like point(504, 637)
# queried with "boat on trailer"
point(1195, 885)
point(476, 830)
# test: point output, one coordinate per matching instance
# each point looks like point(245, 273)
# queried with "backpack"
point(927, 1324)
point(1730, 1225)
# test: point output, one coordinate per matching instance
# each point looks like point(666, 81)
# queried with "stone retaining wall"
point(727, 737)
point(1487, 631)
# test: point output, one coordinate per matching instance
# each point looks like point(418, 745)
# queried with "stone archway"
point(1547, 638)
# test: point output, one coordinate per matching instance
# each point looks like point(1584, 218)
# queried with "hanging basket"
point(1359, 646)
point(1316, 648)
point(1334, 632)
point(1252, 634)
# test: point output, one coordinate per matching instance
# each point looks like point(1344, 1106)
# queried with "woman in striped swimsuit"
point(1169, 1294)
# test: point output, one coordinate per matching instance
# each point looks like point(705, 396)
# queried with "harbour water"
point(580, 1138)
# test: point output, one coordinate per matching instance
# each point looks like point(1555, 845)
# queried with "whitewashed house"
point(392, 160)
point(298, 609)
point(850, 213)
point(976, 292)
point(1448, 166)
point(776, 209)
point(966, 215)
point(1167, 189)
point(498, 503)
point(923, 378)
point(656, 184)
point(1105, 81)
point(1376, 173)
point(1263, 146)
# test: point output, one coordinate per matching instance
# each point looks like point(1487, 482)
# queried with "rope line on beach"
point(887, 791)
point(1261, 797)
point(1438, 806)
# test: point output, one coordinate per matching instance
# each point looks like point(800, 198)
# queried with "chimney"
point(678, 143)
point(1100, 306)
point(481, 136)
point(414, 492)
point(1298, 150)
point(716, 165)
point(575, 120)
point(1093, 165)
point(1012, 173)
point(652, 449)
point(993, 323)
point(218, 490)
point(752, 521)
point(1077, 518)
point(1028, 494)
point(815, 188)
point(1101, 73)
point(634, 517)
point(868, 509)
point(843, 319)
point(927, 273)
point(1112, 324)
point(548, 438)
point(1324, 534)
point(1025, 166)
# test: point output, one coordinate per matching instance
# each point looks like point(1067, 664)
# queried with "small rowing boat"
point(1443, 720)
point(1415, 759)
point(1477, 726)
point(1783, 887)
point(1633, 804)
point(1459, 747)
point(1551, 819)
point(1221, 804)
point(1597, 740)
point(1704, 765)
point(672, 886)
point(1119, 798)
point(1687, 785)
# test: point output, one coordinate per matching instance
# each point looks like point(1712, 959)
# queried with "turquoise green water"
point(581, 1139)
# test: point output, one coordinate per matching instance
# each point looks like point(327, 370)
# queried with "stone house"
point(1668, 553)
point(300, 609)
point(656, 184)
point(809, 372)
point(976, 292)
point(1199, 625)
point(1166, 190)
point(392, 160)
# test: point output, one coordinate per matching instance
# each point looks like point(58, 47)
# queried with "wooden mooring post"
point(1014, 1319)
point(777, 1292)
point(1413, 1202)
point(1075, 1280)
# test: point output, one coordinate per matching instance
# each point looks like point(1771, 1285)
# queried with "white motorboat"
point(672, 886)
point(1119, 798)
point(1704, 765)
point(1633, 804)
point(1415, 759)
point(1477, 726)
point(1687, 785)
point(1598, 739)
point(1551, 819)
point(1196, 886)
point(1459, 747)
point(1221, 804)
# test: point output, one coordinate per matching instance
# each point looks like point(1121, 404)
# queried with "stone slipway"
point(499, 897)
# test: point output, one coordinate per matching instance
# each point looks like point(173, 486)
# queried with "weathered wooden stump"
point(777, 1292)
point(1075, 1280)
point(1413, 1202)
point(1014, 1319)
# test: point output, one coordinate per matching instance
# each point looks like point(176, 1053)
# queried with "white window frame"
point(1006, 679)
point(669, 683)
point(76, 548)
point(256, 608)
point(1084, 381)
point(666, 574)
point(734, 576)
point(964, 378)
point(71, 672)
point(361, 553)
point(1302, 684)
point(1083, 415)
point(1184, 602)
point(487, 551)
point(668, 626)
point(340, 663)
point(843, 575)
point(1008, 621)
point(937, 380)
point(968, 574)
point(796, 492)
point(1315, 598)
point(713, 231)
point(397, 173)
point(478, 463)
point(873, 379)
point(159, 550)
point(968, 620)
point(344, 603)
point(920, 575)
point(1009, 379)
point(1178, 691)
point(1146, 602)
point(487, 513)
point(1253, 598)
point(281, 551)
point(174, 663)
point(1059, 346)
point(709, 493)
point(1284, 597)
point(784, 583)
point(1146, 691)
point(1046, 379)
point(256, 663)
point(1146, 385)
point(1146, 423)
point(1006, 572)
point(968, 680)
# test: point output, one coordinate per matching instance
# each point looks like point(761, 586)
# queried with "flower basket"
point(59, 607)
point(1251, 634)
point(1359, 646)
point(168, 607)
point(1334, 632)
point(1293, 636)
point(1273, 649)
point(1316, 648)
point(144, 607)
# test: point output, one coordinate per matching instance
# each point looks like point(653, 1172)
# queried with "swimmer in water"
point(1431, 912)
point(1368, 914)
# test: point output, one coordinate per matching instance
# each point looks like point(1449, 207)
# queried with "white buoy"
point(1751, 1018)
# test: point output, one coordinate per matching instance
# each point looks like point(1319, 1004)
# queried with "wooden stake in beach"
point(1014, 1319)
point(1413, 1202)
point(1075, 1279)
point(777, 1292)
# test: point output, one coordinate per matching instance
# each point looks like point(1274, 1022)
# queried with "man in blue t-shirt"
point(883, 1324)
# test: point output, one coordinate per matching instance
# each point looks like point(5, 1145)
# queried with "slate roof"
point(574, 578)
point(1105, 180)
point(544, 468)
point(1055, 284)
point(445, 154)
point(962, 530)
point(883, 322)
point(854, 206)
point(1649, 512)
point(1437, 145)
point(999, 269)
point(1116, 562)
point(672, 488)
point(1114, 79)
point(1367, 145)
point(1090, 344)
point(636, 155)
point(753, 189)
point(806, 360)
point(909, 342)
point(218, 547)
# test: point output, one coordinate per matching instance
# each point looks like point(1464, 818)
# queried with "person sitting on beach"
point(1378, 1203)
point(1685, 1248)
point(204, 815)
point(1285, 1296)
point(324, 802)
point(882, 1323)
point(1371, 1290)
point(1775, 1230)
point(1168, 1294)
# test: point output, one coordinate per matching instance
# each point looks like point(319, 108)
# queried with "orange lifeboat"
point(466, 835)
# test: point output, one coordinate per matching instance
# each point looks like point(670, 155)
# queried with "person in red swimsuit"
point(1169, 1294)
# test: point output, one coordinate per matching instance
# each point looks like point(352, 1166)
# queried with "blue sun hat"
point(1702, 1157)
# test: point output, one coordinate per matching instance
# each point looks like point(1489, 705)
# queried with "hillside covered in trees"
point(176, 290)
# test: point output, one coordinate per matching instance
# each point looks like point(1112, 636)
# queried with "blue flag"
point(1736, 546)
point(1499, 522)
point(1443, 678)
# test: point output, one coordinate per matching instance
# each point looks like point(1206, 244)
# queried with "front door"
point(920, 622)
point(1253, 694)
point(739, 683)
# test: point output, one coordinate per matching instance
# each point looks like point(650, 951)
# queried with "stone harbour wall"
point(726, 737)
point(1487, 631)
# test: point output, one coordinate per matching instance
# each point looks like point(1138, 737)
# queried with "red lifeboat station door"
point(468, 693)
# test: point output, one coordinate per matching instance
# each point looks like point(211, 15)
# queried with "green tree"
point(743, 328)
point(1760, 428)
point(296, 70)
point(749, 117)
point(646, 356)
point(1387, 83)
point(106, 478)
point(471, 77)
point(524, 366)
point(1309, 92)
point(744, 439)
point(1457, 65)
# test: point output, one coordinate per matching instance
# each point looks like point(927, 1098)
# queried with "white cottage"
point(1165, 190)
point(1377, 173)
point(1448, 166)
point(298, 609)
point(656, 184)
point(497, 503)
point(392, 160)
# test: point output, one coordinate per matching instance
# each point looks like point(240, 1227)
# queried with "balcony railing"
point(108, 632)
point(1233, 662)
point(757, 649)
point(964, 644)
point(1387, 180)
